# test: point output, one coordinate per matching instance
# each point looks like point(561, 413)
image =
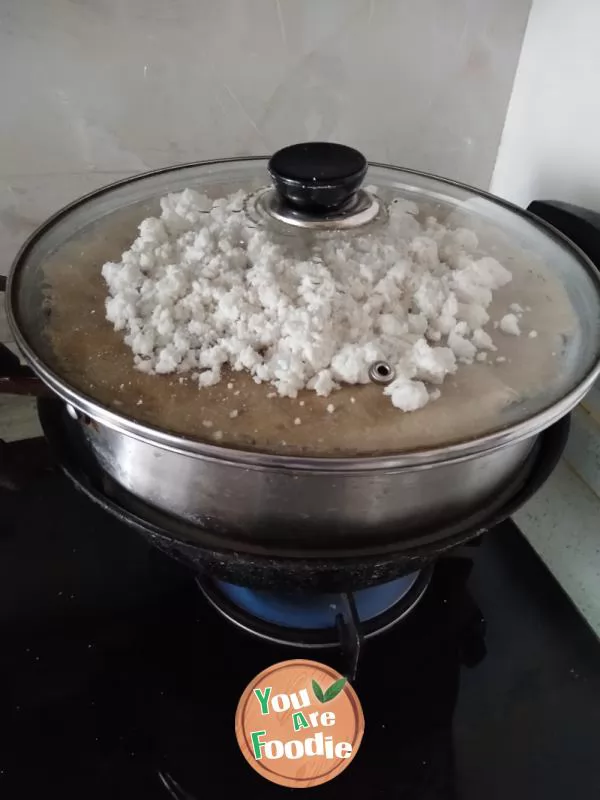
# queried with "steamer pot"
point(317, 500)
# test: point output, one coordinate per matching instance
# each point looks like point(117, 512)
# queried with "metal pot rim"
point(191, 447)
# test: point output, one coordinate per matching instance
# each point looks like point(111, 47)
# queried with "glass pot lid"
point(308, 305)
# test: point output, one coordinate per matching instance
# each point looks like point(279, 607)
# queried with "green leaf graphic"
point(334, 690)
point(318, 692)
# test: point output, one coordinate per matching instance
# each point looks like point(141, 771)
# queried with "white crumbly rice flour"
point(202, 287)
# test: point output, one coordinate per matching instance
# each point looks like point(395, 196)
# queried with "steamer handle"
point(14, 377)
point(580, 225)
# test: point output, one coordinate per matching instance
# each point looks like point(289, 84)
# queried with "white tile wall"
point(95, 89)
point(551, 141)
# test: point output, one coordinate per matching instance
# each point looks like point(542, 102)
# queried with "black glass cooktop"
point(117, 676)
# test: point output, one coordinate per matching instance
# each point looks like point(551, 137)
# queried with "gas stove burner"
point(316, 620)
point(309, 610)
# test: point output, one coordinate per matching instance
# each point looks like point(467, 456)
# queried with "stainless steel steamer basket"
point(345, 498)
point(253, 493)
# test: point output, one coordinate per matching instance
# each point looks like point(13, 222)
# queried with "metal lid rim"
point(176, 443)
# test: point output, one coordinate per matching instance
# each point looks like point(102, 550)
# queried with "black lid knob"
point(317, 177)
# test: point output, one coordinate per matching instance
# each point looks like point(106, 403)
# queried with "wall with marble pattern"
point(93, 90)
